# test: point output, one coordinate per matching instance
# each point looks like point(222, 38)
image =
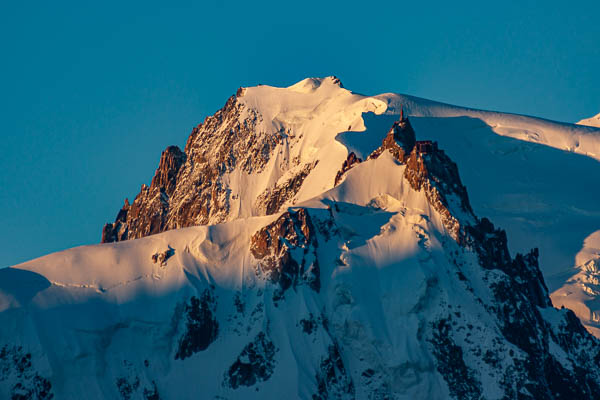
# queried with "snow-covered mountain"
point(593, 121)
point(269, 148)
point(338, 256)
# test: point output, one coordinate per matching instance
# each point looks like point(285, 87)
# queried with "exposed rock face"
point(461, 379)
point(149, 212)
point(431, 170)
point(133, 384)
point(518, 293)
point(333, 381)
point(162, 257)
point(117, 231)
point(272, 199)
point(192, 188)
point(201, 327)
point(165, 177)
point(400, 140)
point(287, 250)
point(491, 246)
point(348, 163)
point(437, 175)
point(255, 363)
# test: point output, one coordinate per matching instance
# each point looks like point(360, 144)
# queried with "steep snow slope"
point(542, 196)
point(267, 148)
point(386, 286)
point(593, 121)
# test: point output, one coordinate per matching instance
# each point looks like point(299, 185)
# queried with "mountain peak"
point(310, 84)
point(330, 250)
point(593, 121)
point(324, 298)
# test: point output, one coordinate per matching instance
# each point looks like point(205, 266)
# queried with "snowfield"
point(593, 121)
point(382, 295)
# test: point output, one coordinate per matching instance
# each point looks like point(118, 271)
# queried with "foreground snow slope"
point(386, 286)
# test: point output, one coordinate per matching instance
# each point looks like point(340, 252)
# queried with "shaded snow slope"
point(574, 138)
point(360, 292)
point(543, 197)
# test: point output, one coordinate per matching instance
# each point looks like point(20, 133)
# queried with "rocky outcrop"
point(399, 141)
point(518, 297)
point(333, 381)
point(255, 363)
point(427, 168)
point(134, 384)
point(491, 246)
point(287, 252)
point(430, 169)
point(350, 162)
point(16, 366)
point(190, 187)
point(274, 198)
point(437, 175)
point(460, 379)
point(201, 326)
point(165, 177)
point(149, 212)
point(162, 257)
point(117, 231)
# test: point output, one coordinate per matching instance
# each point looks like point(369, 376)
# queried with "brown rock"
point(275, 246)
point(399, 140)
point(350, 162)
point(272, 199)
point(187, 188)
point(165, 177)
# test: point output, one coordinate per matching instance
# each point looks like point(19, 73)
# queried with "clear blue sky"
point(91, 94)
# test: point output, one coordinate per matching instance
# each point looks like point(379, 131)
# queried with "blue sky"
point(91, 94)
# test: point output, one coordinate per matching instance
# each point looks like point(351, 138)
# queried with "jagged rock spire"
point(400, 140)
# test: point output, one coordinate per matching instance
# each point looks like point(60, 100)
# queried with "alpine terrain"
point(593, 121)
point(310, 242)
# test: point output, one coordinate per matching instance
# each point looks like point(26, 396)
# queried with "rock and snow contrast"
point(594, 121)
point(314, 243)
